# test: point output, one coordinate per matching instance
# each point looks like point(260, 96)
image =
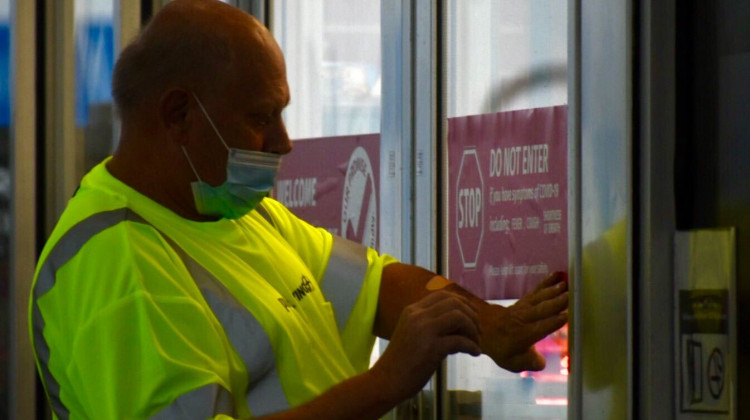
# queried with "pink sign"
point(508, 205)
point(332, 182)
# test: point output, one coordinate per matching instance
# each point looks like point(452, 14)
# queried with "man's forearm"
point(365, 396)
point(404, 284)
point(505, 334)
point(400, 286)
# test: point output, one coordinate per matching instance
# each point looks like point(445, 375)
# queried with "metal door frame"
point(22, 370)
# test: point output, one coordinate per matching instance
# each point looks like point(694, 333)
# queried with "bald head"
point(198, 45)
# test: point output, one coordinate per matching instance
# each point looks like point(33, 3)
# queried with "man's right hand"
point(427, 331)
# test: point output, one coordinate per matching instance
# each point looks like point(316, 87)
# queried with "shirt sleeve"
point(348, 273)
point(130, 338)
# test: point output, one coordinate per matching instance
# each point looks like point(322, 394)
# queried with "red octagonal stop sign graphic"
point(469, 208)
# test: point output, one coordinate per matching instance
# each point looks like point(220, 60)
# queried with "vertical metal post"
point(657, 208)
point(22, 202)
point(632, 174)
point(61, 148)
point(127, 21)
point(575, 380)
point(396, 130)
point(425, 134)
point(156, 5)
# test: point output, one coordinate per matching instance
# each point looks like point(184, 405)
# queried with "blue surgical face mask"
point(250, 177)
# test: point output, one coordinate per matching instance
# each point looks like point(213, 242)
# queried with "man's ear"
point(174, 107)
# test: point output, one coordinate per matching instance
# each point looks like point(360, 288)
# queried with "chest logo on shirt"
point(304, 288)
point(285, 303)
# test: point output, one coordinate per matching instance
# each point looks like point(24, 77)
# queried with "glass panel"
point(506, 71)
point(94, 49)
point(605, 185)
point(332, 51)
point(4, 208)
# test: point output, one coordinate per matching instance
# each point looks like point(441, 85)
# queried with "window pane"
point(4, 208)
point(94, 49)
point(332, 51)
point(506, 55)
point(507, 163)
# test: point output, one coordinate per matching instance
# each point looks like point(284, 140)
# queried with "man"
point(171, 288)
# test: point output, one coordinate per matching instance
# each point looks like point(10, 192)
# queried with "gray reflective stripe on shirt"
point(193, 404)
point(65, 249)
point(265, 394)
point(344, 277)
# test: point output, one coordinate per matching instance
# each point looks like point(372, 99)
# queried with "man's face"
point(247, 111)
point(255, 99)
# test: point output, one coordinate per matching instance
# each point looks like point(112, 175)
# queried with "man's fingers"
point(453, 344)
point(531, 359)
point(551, 286)
point(443, 296)
point(450, 303)
point(442, 314)
point(550, 307)
point(547, 326)
point(456, 322)
point(549, 281)
point(546, 293)
point(537, 330)
point(442, 302)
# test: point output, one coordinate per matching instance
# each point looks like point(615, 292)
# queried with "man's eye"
point(262, 120)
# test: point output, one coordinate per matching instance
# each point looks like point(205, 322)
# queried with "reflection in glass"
point(332, 51)
point(4, 207)
point(505, 55)
point(94, 50)
point(605, 125)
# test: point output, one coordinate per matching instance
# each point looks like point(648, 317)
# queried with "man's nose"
point(278, 140)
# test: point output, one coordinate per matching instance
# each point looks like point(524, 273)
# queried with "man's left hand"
point(508, 334)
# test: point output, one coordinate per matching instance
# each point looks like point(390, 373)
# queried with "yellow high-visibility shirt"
point(137, 312)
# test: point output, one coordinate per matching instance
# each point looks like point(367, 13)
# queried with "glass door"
point(505, 186)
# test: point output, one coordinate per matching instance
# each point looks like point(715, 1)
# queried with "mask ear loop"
point(191, 164)
point(210, 121)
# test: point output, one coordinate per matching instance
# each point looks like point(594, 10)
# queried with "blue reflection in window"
point(94, 64)
point(4, 73)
